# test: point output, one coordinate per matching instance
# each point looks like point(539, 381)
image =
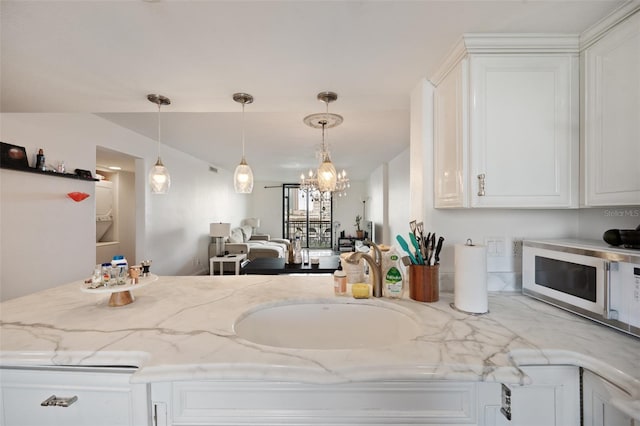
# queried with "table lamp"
point(253, 222)
point(219, 231)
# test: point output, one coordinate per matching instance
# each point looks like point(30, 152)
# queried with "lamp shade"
point(159, 178)
point(219, 229)
point(243, 178)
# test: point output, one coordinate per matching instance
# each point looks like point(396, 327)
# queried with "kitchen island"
point(182, 329)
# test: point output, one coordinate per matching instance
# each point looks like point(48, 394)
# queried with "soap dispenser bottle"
point(392, 274)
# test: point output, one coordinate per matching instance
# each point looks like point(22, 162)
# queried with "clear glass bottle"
point(106, 274)
point(297, 251)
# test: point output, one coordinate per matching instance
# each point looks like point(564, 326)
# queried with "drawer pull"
point(54, 401)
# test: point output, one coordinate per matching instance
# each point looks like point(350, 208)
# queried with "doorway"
point(307, 215)
point(115, 219)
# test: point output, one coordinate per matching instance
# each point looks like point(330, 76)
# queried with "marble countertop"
point(181, 328)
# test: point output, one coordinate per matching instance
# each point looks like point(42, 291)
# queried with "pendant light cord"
point(159, 134)
point(242, 123)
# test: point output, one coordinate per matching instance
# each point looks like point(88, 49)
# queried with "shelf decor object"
point(159, 178)
point(243, 176)
point(78, 196)
point(13, 156)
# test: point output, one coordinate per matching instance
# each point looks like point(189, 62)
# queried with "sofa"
point(242, 240)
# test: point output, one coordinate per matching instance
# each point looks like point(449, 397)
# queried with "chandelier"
point(309, 184)
point(325, 180)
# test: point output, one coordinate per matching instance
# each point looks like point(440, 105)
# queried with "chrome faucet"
point(375, 266)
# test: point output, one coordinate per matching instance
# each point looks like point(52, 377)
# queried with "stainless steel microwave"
point(585, 277)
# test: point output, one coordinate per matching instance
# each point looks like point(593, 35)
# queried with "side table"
point(228, 258)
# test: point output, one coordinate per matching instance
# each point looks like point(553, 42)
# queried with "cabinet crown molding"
point(525, 43)
point(600, 28)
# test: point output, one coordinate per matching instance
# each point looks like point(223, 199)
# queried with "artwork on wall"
point(13, 156)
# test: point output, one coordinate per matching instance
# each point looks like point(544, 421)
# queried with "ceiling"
point(104, 57)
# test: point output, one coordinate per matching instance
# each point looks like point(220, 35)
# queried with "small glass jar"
point(106, 273)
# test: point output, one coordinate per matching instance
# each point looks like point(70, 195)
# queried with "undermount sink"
point(327, 325)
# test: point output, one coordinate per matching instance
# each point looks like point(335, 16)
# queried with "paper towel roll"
point(470, 288)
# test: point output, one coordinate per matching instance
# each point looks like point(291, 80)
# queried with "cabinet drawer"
point(396, 402)
point(104, 397)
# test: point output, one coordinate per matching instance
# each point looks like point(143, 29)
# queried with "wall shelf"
point(47, 173)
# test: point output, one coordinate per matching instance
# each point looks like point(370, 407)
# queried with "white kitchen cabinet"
point(552, 399)
point(506, 121)
point(597, 409)
point(103, 396)
point(611, 121)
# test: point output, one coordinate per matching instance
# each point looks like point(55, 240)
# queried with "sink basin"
point(327, 325)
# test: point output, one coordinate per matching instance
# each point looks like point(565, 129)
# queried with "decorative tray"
point(120, 294)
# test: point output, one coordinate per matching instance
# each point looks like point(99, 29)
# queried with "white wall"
point(347, 208)
point(399, 197)
point(377, 210)
point(42, 231)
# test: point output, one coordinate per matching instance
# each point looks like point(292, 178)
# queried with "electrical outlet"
point(494, 246)
point(516, 247)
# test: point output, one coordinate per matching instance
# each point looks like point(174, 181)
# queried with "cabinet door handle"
point(481, 185)
point(54, 401)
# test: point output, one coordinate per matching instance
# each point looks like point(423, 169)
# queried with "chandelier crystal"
point(159, 178)
point(326, 179)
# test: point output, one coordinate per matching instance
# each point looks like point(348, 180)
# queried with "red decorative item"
point(77, 196)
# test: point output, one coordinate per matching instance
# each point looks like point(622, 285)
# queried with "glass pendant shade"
point(327, 176)
point(159, 178)
point(243, 178)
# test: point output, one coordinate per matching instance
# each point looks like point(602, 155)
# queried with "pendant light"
point(159, 178)
point(326, 174)
point(243, 176)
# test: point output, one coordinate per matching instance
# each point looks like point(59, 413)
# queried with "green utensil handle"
point(405, 247)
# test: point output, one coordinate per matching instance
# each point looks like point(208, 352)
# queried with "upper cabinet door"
point(450, 133)
point(523, 139)
point(611, 158)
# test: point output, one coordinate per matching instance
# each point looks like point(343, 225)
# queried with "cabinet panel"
point(450, 151)
point(552, 399)
point(246, 402)
point(611, 162)
point(523, 130)
point(597, 409)
point(103, 398)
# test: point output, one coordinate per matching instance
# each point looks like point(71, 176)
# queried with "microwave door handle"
point(609, 313)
